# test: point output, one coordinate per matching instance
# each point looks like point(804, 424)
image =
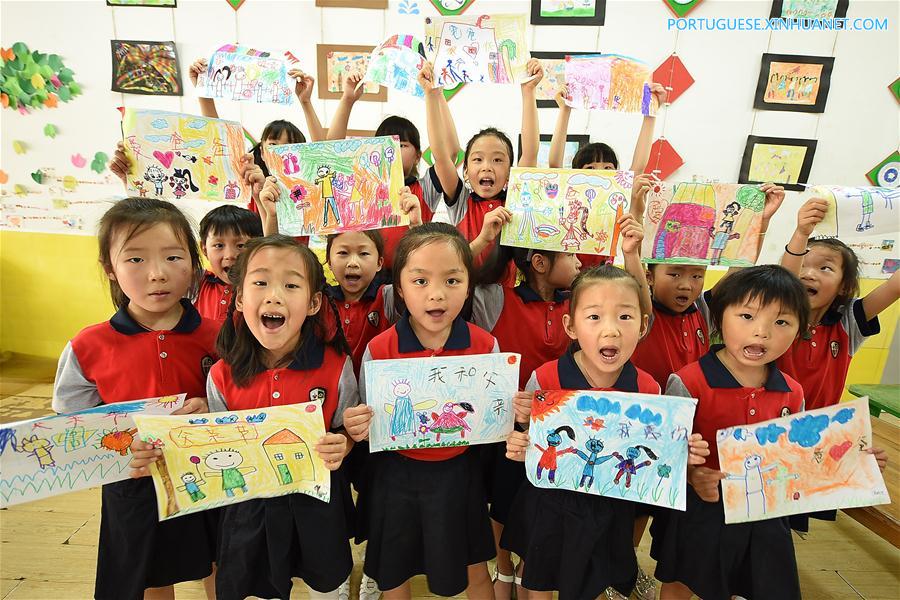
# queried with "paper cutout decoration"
point(566, 210)
point(58, 454)
point(450, 92)
point(664, 160)
point(4, 176)
point(793, 83)
point(336, 62)
point(155, 3)
point(554, 64)
point(408, 7)
point(149, 68)
point(858, 211)
point(38, 176)
point(614, 444)
point(681, 8)
point(440, 402)
point(178, 156)
point(19, 147)
point(219, 459)
point(895, 89)
point(342, 185)
point(477, 49)
point(887, 172)
point(568, 12)
point(785, 161)
point(703, 224)
point(396, 63)
point(451, 7)
point(674, 76)
point(50, 130)
point(429, 158)
point(609, 82)
point(98, 165)
point(801, 463)
point(235, 4)
point(78, 161)
point(34, 80)
point(20, 190)
point(809, 9)
point(574, 143)
point(243, 74)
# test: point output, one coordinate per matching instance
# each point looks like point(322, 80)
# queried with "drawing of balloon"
point(551, 189)
point(591, 194)
point(195, 460)
point(617, 199)
point(389, 154)
point(375, 159)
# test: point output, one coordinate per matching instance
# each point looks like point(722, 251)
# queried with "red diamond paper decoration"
point(663, 159)
point(674, 76)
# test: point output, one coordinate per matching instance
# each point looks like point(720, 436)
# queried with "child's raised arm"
point(632, 235)
point(810, 214)
point(338, 128)
point(530, 128)
point(490, 229)
point(207, 105)
point(303, 88)
point(645, 137)
point(881, 297)
point(558, 141)
point(439, 121)
point(266, 205)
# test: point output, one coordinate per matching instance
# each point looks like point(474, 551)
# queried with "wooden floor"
point(48, 549)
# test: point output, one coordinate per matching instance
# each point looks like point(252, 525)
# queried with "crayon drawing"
point(616, 444)
point(342, 185)
point(568, 12)
point(149, 68)
point(178, 156)
point(554, 64)
point(567, 8)
point(809, 9)
point(609, 82)
point(785, 161)
point(566, 210)
point(793, 82)
point(58, 454)
point(801, 463)
point(215, 459)
point(340, 64)
point(396, 64)
point(703, 224)
point(858, 211)
point(477, 49)
point(441, 401)
point(243, 74)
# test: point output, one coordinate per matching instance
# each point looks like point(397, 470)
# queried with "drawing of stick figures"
point(226, 464)
point(325, 181)
point(868, 207)
point(754, 487)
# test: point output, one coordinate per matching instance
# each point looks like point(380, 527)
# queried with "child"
point(224, 232)
point(841, 321)
point(156, 344)
point(580, 544)
point(425, 508)
point(275, 351)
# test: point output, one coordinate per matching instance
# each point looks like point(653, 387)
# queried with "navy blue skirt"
point(507, 476)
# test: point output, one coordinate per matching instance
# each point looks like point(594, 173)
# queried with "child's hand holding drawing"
point(642, 184)
point(516, 445)
point(705, 482)
point(252, 175)
point(658, 90)
point(425, 78)
point(332, 449)
point(811, 214)
point(142, 454)
point(268, 196)
point(120, 165)
point(774, 198)
point(632, 234)
point(193, 406)
point(490, 229)
point(304, 86)
point(522, 406)
point(198, 66)
point(353, 88)
point(409, 204)
point(356, 422)
point(561, 96)
point(535, 71)
point(880, 456)
point(698, 449)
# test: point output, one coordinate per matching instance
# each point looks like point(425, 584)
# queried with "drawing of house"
point(684, 228)
point(289, 456)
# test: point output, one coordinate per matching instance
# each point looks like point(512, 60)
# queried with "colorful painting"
point(243, 74)
point(858, 211)
point(566, 210)
point(58, 454)
point(887, 172)
point(703, 224)
point(609, 82)
point(784, 161)
point(451, 7)
point(680, 8)
point(442, 401)
point(568, 12)
point(809, 9)
point(794, 83)
point(396, 63)
point(801, 463)
point(217, 459)
point(336, 62)
point(178, 156)
point(342, 185)
point(478, 49)
point(554, 64)
point(149, 68)
point(615, 444)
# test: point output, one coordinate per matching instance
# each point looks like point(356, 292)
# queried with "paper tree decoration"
point(674, 76)
point(681, 8)
point(34, 80)
point(885, 173)
point(663, 159)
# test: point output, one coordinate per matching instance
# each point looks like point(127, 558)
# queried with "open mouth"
point(754, 352)
point(609, 353)
point(811, 291)
point(226, 269)
point(272, 321)
point(682, 299)
point(436, 313)
point(352, 279)
point(486, 182)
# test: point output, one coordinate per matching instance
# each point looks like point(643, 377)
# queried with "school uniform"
point(213, 298)
point(425, 509)
point(589, 261)
point(820, 360)
point(267, 541)
point(674, 339)
point(578, 544)
point(696, 547)
point(524, 323)
point(428, 190)
point(136, 551)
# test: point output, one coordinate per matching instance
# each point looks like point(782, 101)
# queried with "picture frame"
point(778, 8)
point(324, 54)
point(785, 161)
point(371, 4)
point(573, 138)
point(793, 82)
point(552, 56)
point(541, 15)
point(147, 3)
point(160, 57)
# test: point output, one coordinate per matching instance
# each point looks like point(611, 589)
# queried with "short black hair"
point(403, 128)
point(595, 152)
point(273, 131)
point(849, 269)
point(767, 283)
point(230, 219)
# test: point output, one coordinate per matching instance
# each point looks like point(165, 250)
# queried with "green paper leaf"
point(50, 130)
point(20, 49)
point(65, 75)
point(55, 62)
point(38, 176)
point(102, 156)
point(74, 88)
point(64, 94)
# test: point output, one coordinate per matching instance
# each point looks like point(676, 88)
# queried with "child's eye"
point(135, 260)
point(783, 323)
point(292, 286)
point(593, 317)
point(365, 253)
point(674, 275)
point(173, 258)
point(342, 253)
point(240, 246)
point(453, 281)
point(745, 316)
point(826, 268)
point(218, 245)
point(420, 281)
point(259, 283)
point(626, 317)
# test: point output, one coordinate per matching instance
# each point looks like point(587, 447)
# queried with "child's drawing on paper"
point(417, 403)
point(793, 83)
point(243, 74)
point(396, 64)
point(808, 9)
point(340, 65)
point(858, 211)
point(616, 444)
point(568, 8)
point(609, 82)
point(801, 463)
point(776, 163)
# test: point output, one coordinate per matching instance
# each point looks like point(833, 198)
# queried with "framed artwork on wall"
point(568, 12)
point(785, 161)
point(793, 83)
point(337, 61)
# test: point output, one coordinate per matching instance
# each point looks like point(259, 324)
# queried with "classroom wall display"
point(858, 211)
point(801, 463)
point(235, 4)
point(340, 185)
point(674, 76)
point(490, 49)
point(609, 82)
point(681, 8)
point(568, 12)
point(887, 172)
point(664, 160)
point(441, 401)
point(554, 64)
point(566, 210)
point(149, 68)
point(373, 4)
point(336, 62)
point(58, 454)
point(34, 80)
point(217, 459)
point(794, 83)
point(703, 224)
point(809, 9)
point(179, 156)
point(395, 64)
point(451, 7)
point(785, 161)
point(574, 143)
point(242, 74)
point(615, 444)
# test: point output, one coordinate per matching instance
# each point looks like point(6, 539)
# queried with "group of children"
point(262, 328)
